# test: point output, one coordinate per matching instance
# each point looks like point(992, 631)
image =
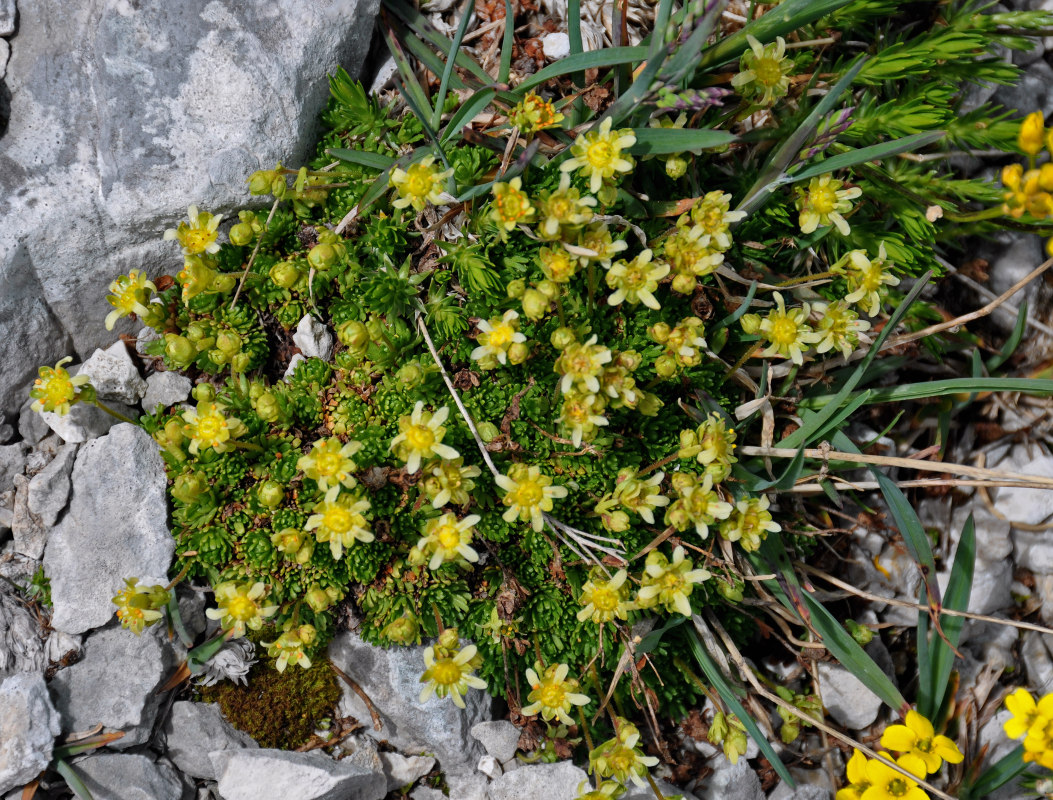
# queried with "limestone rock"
point(28, 727)
point(846, 698)
point(281, 775)
point(557, 781)
point(402, 771)
point(12, 462)
point(114, 375)
point(26, 527)
point(165, 389)
point(115, 683)
point(737, 781)
point(500, 738)
point(116, 528)
point(49, 489)
point(8, 16)
point(84, 421)
point(313, 338)
point(126, 776)
point(556, 45)
point(193, 730)
point(31, 426)
point(21, 648)
point(391, 679)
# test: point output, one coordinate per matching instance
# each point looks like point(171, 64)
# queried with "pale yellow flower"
point(636, 281)
point(598, 154)
point(200, 235)
point(448, 671)
point(824, 202)
point(511, 205)
point(563, 210)
point(340, 520)
point(604, 599)
point(129, 295)
point(54, 390)
point(449, 481)
point(581, 364)
point(330, 463)
point(420, 436)
point(496, 336)
point(419, 184)
point(787, 331)
point(764, 71)
point(868, 279)
point(528, 494)
point(448, 539)
point(239, 606)
point(581, 415)
point(553, 694)
point(670, 583)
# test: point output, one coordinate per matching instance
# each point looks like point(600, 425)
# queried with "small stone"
point(281, 775)
point(362, 751)
point(401, 771)
point(1038, 663)
point(466, 785)
point(84, 421)
point(31, 425)
point(803, 791)
point(313, 338)
point(143, 338)
point(555, 45)
point(49, 489)
point(8, 16)
point(165, 389)
point(115, 684)
point(294, 362)
point(28, 727)
point(426, 793)
point(124, 776)
point(21, 649)
point(634, 792)
point(490, 767)
point(1031, 506)
point(849, 702)
point(737, 781)
point(193, 730)
point(27, 529)
point(557, 781)
point(12, 462)
point(500, 738)
point(61, 645)
point(114, 375)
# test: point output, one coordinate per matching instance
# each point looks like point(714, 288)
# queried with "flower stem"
point(654, 787)
point(114, 413)
point(806, 278)
point(660, 463)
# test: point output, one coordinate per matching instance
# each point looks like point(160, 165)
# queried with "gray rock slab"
point(634, 792)
point(29, 533)
point(115, 683)
point(84, 421)
point(165, 389)
point(114, 374)
point(1031, 506)
point(8, 17)
point(31, 426)
point(127, 776)
point(401, 770)
point(281, 775)
point(193, 730)
point(219, 90)
point(391, 679)
point(21, 648)
point(467, 785)
point(28, 727)
point(115, 528)
point(49, 489)
point(732, 782)
point(12, 462)
point(802, 792)
point(847, 699)
point(557, 781)
point(500, 738)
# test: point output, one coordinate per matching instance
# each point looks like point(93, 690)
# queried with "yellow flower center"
point(923, 745)
point(327, 463)
point(768, 71)
point(604, 599)
point(127, 300)
point(59, 390)
point(420, 437)
point(823, 199)
point(561, 208)
point(635, 277)
point(337, 519)
point(553, 696)
point(622, 760)
point(241, 608)
point(672, 582)
point(871, 280)
point(528, 494)
point(197, 240)
point(210, 427)
point(897, 787)
point(783, 331)
point(445, 672)
point(712, 220)
point(600, 154)
point(448, 536)
point(418, 181)
point(500, 336)
point(511, 205)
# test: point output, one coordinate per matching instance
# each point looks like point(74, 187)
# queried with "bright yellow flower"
point(764, 71)
point(511, 205)
point(867, 278)
point(330, 463)
point(138, 606)
point(239, 605)
point(713, 216)
point(749, 523)
point(787, 331)
point(824, 202)
point(419, 184)
point(923, 751)
point(449, 482)
point(496, 336)
point(554, 694)
point(448, 671)
point(448, 539)
point(54, 390)
point(206, 426)
point(1024, 710)
point(563, 210)
point(856, 771)
point(888, 784)
point(200, 235)
point(129, 295)
point(528, 494)
point(558, 265)
point(340, 520)
point(1032, 131)
point(620, 758)
point(598, 154)
point(420, 436)
point(532, 114)
point(669, 583)
point(636, 281)
point(604, 599)
point(581, 364)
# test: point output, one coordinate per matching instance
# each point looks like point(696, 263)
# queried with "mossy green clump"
point(278, 709)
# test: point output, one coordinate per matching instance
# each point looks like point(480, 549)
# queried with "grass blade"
point(467, 112)
point(594, 59)
point(997, 775)
point(874, 152)
point(923, 391)
point(412, 91)
point(361, 157)
point(424, 29)
point(994, 362)
point(659, 141)
point(451, 58)
point(72, 779)
point(507, 41)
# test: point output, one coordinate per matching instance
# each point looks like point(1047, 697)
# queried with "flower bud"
point(204, 393)
point(535, 304)
point(229, 343)
point(730, 591)
point(549, 288)
point(649, 404)
point(404, 630)
point(240, 362)
point(561, 338)
point(261, 180)
point(718, 728)
point(308, 634)
point(353, 334)
point(173, 432)
point(684, 284)
point(410, 375)
point(518, 352)
point(303, 555)
point(488, 431)
point(322, 257)
point(317, 599)
point(188, 487)
point(516, 289)
point(675, 166)
point(284, 274)
point(179, 350)
point(288, 540)
point(241, 234)
point(750, 324)
point(660, 332)
point(155, 315)
point(628, 360)
point(267, 408)
point(270, 494)
point(1032, 130)
point(665, 366)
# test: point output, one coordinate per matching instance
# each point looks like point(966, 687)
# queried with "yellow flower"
point(580, 365)
point(749, 523)
point(206, 426)
point(604, 599)
point(598, 154)
point(713, 216)
point(528, 494)
point(137, 606)
point(840, 327)
point(54, 390)
point(1032, 131)
point(329, 463)
point(420, 436)
point(683, 343)
point(339, 519)
point(698, 504)
point(289, 647)
point(239, 606)
point(669, 583)
point(511, 205)
point(558, 265)
point(620, 758)
point(129, 295)
point(691, 256)
point(200, 235)
point(635, 281)
point(449, 482)
point(419, 184)
point(581, 415)
point(1038, 746)
point(639, 495)
point(856, 771)
point(605, 790)
point(596, 245)
point(553, 694)
point(532, 114)
point(1024, 710)
point(447, 539)
point(888, 784)
point(923, 750)
point(824, 202)
point(787, 331)
point(764, 71)
point(563, 210)
point(448, 671)
point(712, 444)
point(867, 278)
point(496, 336)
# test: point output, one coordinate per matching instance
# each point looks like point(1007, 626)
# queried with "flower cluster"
point(139, 607)
point(1032, 721)
point(621, 757)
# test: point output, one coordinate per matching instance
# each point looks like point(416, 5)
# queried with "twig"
point(984, 292)
point(255, 250)
point(373, 712)
point(921, 483)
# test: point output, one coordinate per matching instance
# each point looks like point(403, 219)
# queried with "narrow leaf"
point(451, 58)
point(658, 141)
point(996, 776)
point(924, 391)
point(72, 779)
point(594, 59)
point(994, 362)
point(420, 25)
point(507, 41)
point(371, 160)
point(475, 105)
point(874, 152)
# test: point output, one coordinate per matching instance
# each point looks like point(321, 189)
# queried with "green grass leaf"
point(874, 152)
point(476, 104)
point(451, 59)
point(994, 362)
point(371, 160)
point(594, 59)
point(922, 391)
point(420, 25)
point(1009, 766)
point(72, 779)
point(659, 141)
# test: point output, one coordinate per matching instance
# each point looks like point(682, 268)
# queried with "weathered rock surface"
point(847, 699)
point(500, 738)
point(127, 776)
point(21, 648)
point(84, 421)
point(218, 90)
point(29, 533)
point(281, 775)
point(313, 338)
point(165, 389)
point(193, 730)
point(114, 375)
point(737, 781)
point(391, 679)
point(115, 528)
point(115, 683)
point(28, 727)
point(557, 781)
point(401, 771)
point(49, 489)
point(12, 462)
